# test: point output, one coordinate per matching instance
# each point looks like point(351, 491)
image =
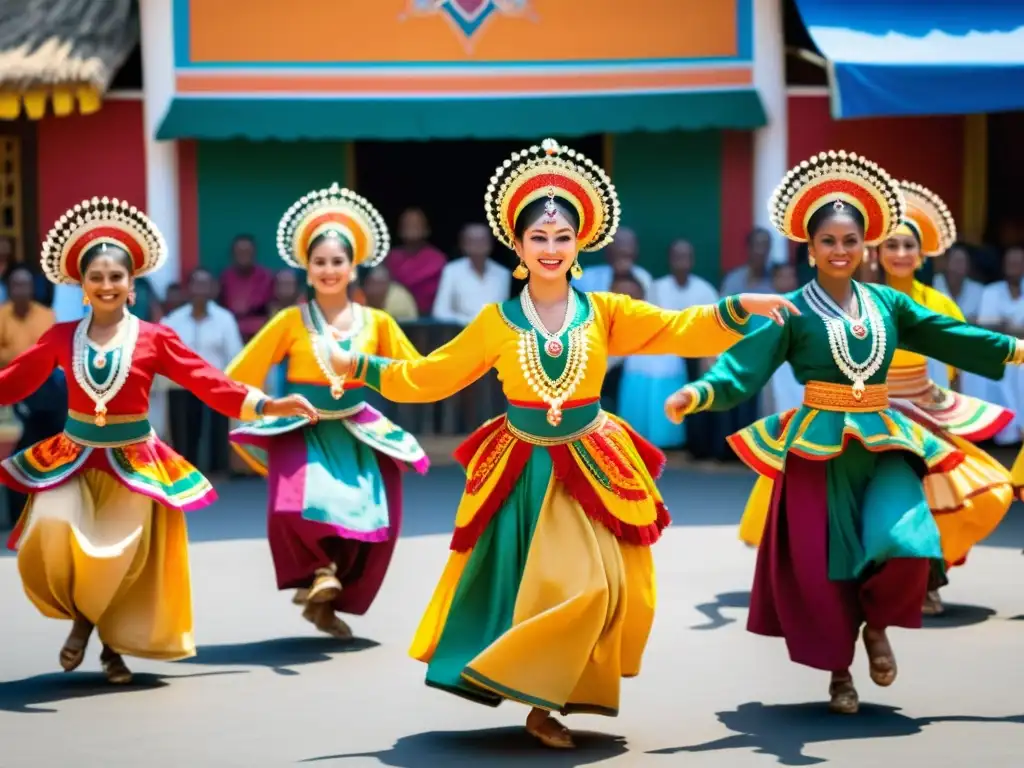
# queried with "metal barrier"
point(457, 415)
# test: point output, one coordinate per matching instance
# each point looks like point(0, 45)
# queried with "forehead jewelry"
point(838, 205)
point(549, 207)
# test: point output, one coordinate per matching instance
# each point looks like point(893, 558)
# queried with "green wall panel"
point(245, 187)
point(670, 187)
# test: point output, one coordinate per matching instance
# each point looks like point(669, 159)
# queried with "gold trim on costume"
point(595, 424)
point(253, 398)
point(1016, 357)
point(125, 418)
point(826, 396)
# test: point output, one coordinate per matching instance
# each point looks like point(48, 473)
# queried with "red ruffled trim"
point(652, 457)
point(465, 538)
point(469, 447)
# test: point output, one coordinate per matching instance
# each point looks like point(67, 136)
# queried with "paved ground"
point(266, 691)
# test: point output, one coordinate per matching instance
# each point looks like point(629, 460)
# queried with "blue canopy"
point(920, 57)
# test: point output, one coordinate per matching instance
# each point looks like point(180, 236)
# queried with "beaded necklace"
point(553, 392)
point(838, 321)
point(120, 349)
point(322, 335)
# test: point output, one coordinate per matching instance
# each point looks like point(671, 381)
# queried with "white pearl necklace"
point(322, 336)
point(553, 341)
point(102, 393)
point(836, 322)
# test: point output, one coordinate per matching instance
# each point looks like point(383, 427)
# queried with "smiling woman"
point(548, 596)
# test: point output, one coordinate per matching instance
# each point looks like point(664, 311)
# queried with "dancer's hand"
point(767, 305)
point(292, 405)
point(677, 404)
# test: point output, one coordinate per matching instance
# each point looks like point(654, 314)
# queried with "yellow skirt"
point(94, 548)
point(548, 609)
point(968, 502)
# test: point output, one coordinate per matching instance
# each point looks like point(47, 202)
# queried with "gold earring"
point(85, 300)
point(810, 259)
point(521, 272)
point(576, 270)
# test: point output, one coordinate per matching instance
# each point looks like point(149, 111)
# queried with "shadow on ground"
point(716, 619)
point(32, 694)
point(784, 731)
point(494, 746)
point(279, 654)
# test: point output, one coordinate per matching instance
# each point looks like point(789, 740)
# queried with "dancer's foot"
point(548, 731)
point(882, 661)
point(73, 652)
point(323, 617)
point(933, 604)
point(843, 698)
point(301, 597)
point(114, 668)
point(326, 586)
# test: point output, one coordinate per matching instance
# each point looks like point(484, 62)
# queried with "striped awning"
point(62, 54)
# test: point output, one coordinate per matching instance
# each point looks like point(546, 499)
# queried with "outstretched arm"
point(266, 349)
point(440, 374)
point(739, 374)
point(29, 371)
point(639, 328)
point(230, 398)
point(393, 343)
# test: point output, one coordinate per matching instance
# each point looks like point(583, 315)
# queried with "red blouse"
point(158, 351)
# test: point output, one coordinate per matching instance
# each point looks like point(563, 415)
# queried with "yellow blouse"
point(612, 325)
point(288, 335)
point(929, 298)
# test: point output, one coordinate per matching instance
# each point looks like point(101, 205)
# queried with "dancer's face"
point(107, 283)
point(330, 267)
point(900, 255)
point(838, 247)
point(548, 247)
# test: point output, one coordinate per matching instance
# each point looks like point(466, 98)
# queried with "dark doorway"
point(447, 179)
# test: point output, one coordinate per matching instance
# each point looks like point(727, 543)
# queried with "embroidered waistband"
point(910, 382)
point(826, 396)
point(119, 429)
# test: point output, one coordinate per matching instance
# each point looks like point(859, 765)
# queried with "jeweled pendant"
point(100, 362)
point(554, 416)
point(859, 330)
point(337, 390)
point(858, 390)
point(101, 417)
point(553, 348)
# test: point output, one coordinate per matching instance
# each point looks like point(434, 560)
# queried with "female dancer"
point(335, 501)
point(102, 539)
point(981, 491)
point(548, 595)
point(850, 533)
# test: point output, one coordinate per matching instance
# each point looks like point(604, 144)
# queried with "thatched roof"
point(64, 43)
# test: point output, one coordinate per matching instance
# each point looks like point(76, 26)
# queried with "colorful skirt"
point(103, 536)
point(548, 595)
point(334, 497)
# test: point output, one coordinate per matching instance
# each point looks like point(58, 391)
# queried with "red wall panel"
point(188, 207)
point(926, 150)
point(81, 156)
point(737, 196)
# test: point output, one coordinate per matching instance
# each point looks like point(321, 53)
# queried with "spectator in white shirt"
point(620, 260)
point(681, 289)
point(470, 283)
point(213, 333)
point(955, 283)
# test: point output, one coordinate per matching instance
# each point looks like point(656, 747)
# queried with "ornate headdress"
point(928, 219)
point(101, 221)
point(837, 179)
point(336, 210)
point(550, 171)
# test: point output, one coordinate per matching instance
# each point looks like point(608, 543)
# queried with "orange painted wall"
point(562, 30)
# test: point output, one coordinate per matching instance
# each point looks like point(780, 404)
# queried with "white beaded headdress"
point(928, 219)
point(837, 178)
point(551, 171)
point(101, 221)
point(337, 210)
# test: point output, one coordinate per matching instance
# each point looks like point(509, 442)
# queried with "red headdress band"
point(550, 171)
point(336, 210)
point(837, 178)
point(930, 219)
point(98, 221)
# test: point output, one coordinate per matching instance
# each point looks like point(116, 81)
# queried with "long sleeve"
point(639, 328)
point(266, 349)
point(393, 343)
point(743, 371)
point(440, 374)
point(950, 340)
point(187, 369)
point(29, 371)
